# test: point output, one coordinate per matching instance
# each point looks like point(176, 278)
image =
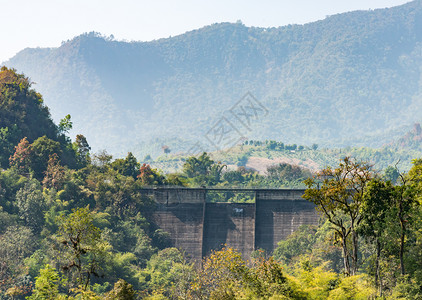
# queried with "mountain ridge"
point(333, 82)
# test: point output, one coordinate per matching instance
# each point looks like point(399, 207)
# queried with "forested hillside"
point(76, 225)
point(352, 78)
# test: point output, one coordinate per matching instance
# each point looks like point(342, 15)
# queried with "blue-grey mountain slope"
point(348, 78)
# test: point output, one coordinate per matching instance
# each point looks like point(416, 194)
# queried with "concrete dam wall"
point(198, 226)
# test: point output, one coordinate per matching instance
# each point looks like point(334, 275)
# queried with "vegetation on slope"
point(83, 230)
point(350, 79)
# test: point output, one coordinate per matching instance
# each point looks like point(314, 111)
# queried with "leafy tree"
point(121, 291)
point(315, 281)
point(391, 174)
point(287, 172)
point(17, 243)
point(82, 149)
point(8, 140)
point(148, 176)
point(378, 200)
point(22, 158)
point(175, 179)
point(353, 287)
point(272, 145)
point(82, 249)
point(147, 158)
point(102, 159)
point(47, 285)
point(405, 202)
point(220, 276)
point(225, 275)
point(203, 170)
point(340, 198)
point(266, 280)
point(65, 125)
point(298, 243)
point(169, 271)
point(200, 166)
point(43, 148)
point(233, 177)
point(120, 194)
point(128, 166)
point(55, 173)
point(242, 160)
point(31, 204)
point(166, 149)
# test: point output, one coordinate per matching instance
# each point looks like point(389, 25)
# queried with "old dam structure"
point(198, 226)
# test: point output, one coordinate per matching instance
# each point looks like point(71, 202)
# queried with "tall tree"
point(21, 160)
point(43, 148)
point(338, 194)
point(65, 125)
point(149, 176)
point(377, 204)
point(31, 204)
point(406, 193)
point(55, 174)
point(47, 285)
point(203, 170)
point(82, 149)
point(82, 249)
point(8, 140)
point(128, 166)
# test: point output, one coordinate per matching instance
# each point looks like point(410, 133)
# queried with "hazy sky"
point(45, 23)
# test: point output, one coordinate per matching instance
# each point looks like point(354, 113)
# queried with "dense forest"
point(352, 79)
point(74, 225)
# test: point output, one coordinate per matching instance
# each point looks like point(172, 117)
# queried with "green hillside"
point(86, 230)
point(350, 79)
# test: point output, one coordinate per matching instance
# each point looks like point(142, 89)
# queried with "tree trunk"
point(355, 252)
point(402, 236)
point(378, 280)
point(402, 249)
point(345, 256)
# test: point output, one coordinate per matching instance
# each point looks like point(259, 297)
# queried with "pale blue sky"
point(45, 23)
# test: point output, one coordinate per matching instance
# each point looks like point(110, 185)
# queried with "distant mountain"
point(350, 78)
point(412, 140)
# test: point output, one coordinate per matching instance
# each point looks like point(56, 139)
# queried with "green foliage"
point(65, 125)
point(46, 285)
point(21, 160)
point(8, 138)
point(82, 149)
point(342, 73)
point(340, 198)
point(151, 177)
point(128, 166)
point(48, 232)
point(31, 205)
point(225, 275)
point(121, 291)
point(298, 243)
point(407, 288)
point(353, 287)
point(54, 175)
point(169, 271)
point(82, 250)
point(43, 148)
point(17, 243)
point(202, 170)
point(22, 109)
point(391, 174)
point(287, 174)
